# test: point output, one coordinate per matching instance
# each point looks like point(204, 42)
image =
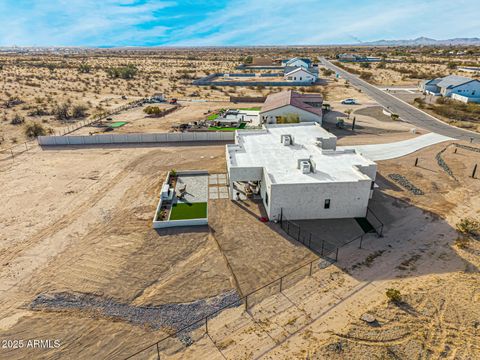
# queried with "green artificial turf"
point(220, 128)
point(184, 211)
point(117, 124)
point(212, 117)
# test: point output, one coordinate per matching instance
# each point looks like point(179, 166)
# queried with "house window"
point(266, 198)
point(327, 204)
point(289, 78)
point(300, 78)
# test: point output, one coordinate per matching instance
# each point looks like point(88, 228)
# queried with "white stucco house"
point(307, 107)
point(297, 172)
point(452, 84)
point(301, 74)
point(297, 62)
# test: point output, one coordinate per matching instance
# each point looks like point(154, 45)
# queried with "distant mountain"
point(425, 41)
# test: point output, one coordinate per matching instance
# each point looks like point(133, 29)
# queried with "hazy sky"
point(236, 22)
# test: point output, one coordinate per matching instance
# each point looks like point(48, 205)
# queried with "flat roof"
point(263, 148)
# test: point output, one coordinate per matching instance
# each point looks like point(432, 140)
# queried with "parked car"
point(349, 102)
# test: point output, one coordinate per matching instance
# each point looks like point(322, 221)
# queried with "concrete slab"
point(334, 231)
point(397, 149)
point(196, 188)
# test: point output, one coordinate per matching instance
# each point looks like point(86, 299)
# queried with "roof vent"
point(305, 167)
point(286, 140)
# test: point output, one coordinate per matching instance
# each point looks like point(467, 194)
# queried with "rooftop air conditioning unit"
point(287, 140)
point(305, 167)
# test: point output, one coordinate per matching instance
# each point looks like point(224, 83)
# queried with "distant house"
point(297, 62)
point(452, 84)
point(301, 74)
point(306, 107)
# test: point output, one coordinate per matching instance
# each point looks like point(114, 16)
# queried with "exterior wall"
point(466, 99)
point(135, 138)
point(300, 76)
point(305, 116)
point(306, 201)
point(469, 89)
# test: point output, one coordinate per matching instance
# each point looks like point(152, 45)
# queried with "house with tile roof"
point(290, 106)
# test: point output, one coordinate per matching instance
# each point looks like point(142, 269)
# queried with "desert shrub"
point(469, 227)
point(462, 242)
point(365, 65)
point(84, 68)
point(452, 65)
point(393, 295)
point(366, 75)
point(382, 65)
point(153, 111)
point(395, 116)
point(124, 72)
point(79, 111)
point(288, 119)
point(17, 119)
point(61, 112)
point(34, 129)
point(327, 72)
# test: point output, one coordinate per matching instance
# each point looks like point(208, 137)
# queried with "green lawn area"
point(221, 128)
point(183, 211)
point(256, 108)
point(212, 117)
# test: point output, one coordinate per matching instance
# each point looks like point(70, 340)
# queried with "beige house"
point(290, 106)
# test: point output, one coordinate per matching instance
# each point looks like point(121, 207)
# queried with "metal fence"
point(327, 254)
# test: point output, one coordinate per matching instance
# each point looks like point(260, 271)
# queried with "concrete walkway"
point(397, 149)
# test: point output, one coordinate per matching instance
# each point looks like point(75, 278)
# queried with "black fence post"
point(336, 256)
point(323, 245)
point(206, 324)
point(416, 161)
point(311, 265)
point(158, 352)
point(474, 171)
point(310, 241)
point(361, 240)
point(298, 236)
point(246, 302)
point(281, 283)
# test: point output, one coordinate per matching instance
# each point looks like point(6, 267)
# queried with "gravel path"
point(173, 316)
point(403, 182)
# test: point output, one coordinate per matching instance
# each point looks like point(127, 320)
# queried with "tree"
point(61, 112)
point(452, 65)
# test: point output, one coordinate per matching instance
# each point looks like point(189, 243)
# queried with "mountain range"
point(425, 41)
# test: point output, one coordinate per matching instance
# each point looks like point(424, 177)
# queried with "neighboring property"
point(357, 58)
point(297, 62)
point(297, 172)
point(301, 74)
point(452, 84)
point(280, 107)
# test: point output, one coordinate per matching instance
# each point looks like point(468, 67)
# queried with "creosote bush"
point(393, 295)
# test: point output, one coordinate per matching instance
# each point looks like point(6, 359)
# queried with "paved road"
point(397, 149)
point(405, 111)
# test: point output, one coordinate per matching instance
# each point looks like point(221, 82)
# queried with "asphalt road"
point(406, 111)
